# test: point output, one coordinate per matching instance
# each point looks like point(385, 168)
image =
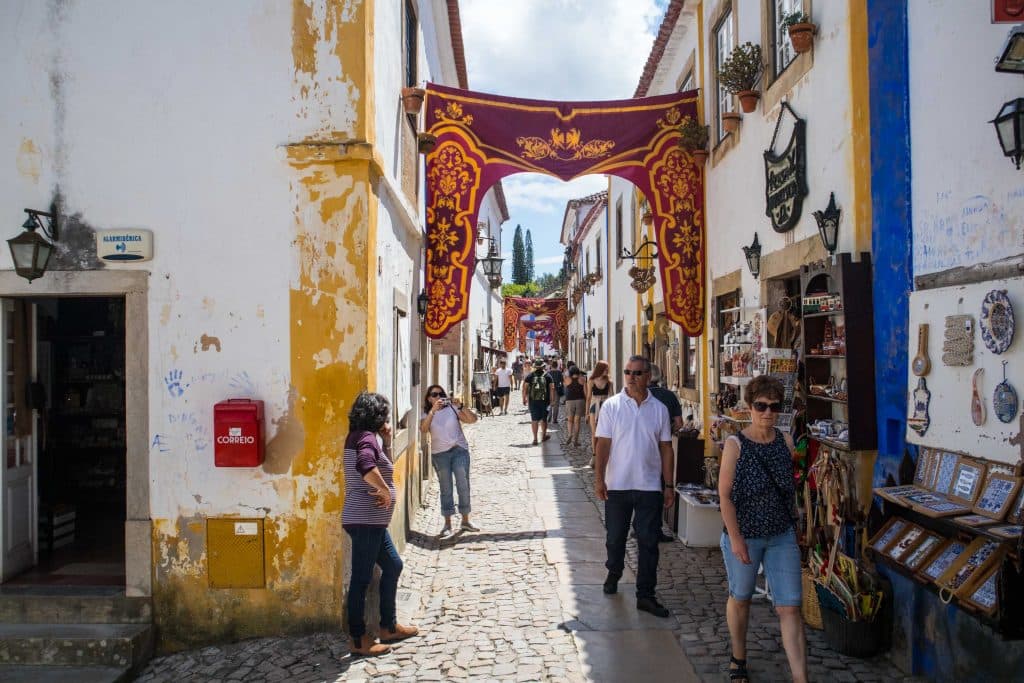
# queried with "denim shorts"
point(780, 556)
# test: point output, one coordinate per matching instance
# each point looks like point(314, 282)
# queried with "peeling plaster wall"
point(205, 123)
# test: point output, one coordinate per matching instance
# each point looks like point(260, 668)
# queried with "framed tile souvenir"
point(943, 507)
point(968, 478)
point(895, 494)
point(945, 467)
point(983, 593)
point(924, 550)
point(972, 521)
point(997, 495)
point(908, 540)
point(941, 559)
point(888, 533)
point(1010, 532)
point(979, 555)
point(1016, 513)
point(924, 475)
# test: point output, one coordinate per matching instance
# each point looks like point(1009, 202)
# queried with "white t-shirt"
point(504, 376)
point(634, 462)
point(445, 431)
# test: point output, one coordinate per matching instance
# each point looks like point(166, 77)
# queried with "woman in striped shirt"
point(369, 504)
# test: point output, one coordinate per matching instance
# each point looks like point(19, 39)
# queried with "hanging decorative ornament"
point(997, 321)
point(920, 420)
point(1004, 400)
point(643, 278)
point(921, 364)
point(958, 347)
point(977, 404)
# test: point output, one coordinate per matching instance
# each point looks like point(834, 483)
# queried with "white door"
point(17, 453)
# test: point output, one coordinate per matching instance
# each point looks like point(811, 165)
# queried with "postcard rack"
point(958, 530)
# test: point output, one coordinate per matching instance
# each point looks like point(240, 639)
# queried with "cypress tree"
point(529, 257)
point(519, 273)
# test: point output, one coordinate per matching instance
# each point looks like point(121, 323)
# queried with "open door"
point(18, 445)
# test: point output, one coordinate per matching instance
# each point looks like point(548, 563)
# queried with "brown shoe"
point(399, 633)
point(365, 646)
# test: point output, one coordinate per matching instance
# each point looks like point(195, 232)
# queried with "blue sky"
point(555, 50)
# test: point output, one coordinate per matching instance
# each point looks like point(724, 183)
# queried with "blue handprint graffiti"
point(176, 385)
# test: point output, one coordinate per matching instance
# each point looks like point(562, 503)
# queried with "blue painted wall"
point(892, 230)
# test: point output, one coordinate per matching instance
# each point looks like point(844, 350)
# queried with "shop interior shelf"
point(826, 398)
point(829, 356)
point(823, 314)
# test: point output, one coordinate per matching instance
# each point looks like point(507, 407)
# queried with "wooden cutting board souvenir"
point(977, 405)
point(921, 364)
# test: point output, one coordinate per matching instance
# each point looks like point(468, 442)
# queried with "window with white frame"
point(723, 48)
point(688, 83)
point(783, 52)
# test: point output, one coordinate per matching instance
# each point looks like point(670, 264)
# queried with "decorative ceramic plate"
point(1004, 399)
point(997, 321)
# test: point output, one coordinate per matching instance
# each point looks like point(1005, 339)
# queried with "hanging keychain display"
point(997, 321)
point(1004, 400)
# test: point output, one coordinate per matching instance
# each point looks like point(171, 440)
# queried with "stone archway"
point(482, 138)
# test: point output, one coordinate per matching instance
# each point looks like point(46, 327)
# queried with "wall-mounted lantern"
point(1009, 123)
point(828, 226)
point(1011, 57)
point(30, 251)
point(492, 265)
point(421, 304)
point(649, 312)
point(753, 256)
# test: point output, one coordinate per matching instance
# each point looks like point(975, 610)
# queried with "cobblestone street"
point(521, 599)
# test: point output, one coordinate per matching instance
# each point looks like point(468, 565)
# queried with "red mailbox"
point(238, 433)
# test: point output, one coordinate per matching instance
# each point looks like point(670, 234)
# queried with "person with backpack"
point(556, 377)
point(538, 394)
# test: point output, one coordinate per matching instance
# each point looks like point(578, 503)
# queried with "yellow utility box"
point(235, 550)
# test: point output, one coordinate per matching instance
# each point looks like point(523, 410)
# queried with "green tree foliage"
point(526, 289)
point(549, 282)
point(529, 257)
point(520, 275)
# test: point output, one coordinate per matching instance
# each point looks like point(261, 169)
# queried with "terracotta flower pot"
point(648, 218)
point(426, 142)
point(731, 121)
point(748, 100)
point(700, 156)
point(802, 36)
point(412, 99)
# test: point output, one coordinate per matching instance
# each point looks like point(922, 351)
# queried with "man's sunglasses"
point(436, 394)
point(634, 373)
point(761, 406)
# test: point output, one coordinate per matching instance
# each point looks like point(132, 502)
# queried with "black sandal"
point(740, 672)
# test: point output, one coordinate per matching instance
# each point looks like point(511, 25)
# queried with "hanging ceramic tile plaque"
point(919, 419)
point(958, 347)
point(944, 472)
point(997, 322)
point(1004, 400)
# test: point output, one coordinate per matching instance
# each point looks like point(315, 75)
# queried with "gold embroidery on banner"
point(672, 118)
point(453, 112)
point(564, 145)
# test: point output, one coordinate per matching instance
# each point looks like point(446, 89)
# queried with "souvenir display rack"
point(839, 352)
point(957, 529)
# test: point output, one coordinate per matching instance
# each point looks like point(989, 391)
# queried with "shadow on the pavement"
point(429, 542)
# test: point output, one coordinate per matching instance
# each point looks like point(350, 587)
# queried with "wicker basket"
point(809, 605)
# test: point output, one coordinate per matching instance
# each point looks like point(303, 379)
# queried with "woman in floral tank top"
point(757, 492)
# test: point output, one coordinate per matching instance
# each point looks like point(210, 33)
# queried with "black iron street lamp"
point(492, 265)
point(828, 226)
point(421, 304)
point(1009, 123)
point(753, 256)
point(649, 313)
point(30, 251)
point(1011, 57)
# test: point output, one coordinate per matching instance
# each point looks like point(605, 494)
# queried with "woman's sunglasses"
point(436, 394)
point(634, 373)
point(761, 406)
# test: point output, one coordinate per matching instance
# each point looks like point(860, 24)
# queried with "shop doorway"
point(65, 367)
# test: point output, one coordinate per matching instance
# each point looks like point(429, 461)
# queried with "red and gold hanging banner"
point(555, 320)
point(483, 138)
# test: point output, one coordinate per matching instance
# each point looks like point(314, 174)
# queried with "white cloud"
point(548, 261)
point(539, 193)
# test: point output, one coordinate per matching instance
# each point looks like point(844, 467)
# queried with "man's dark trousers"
point(644, 509)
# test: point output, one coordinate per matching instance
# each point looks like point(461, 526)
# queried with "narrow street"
point(521, 600)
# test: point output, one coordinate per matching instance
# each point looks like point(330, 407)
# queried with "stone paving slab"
point(561, 496)
point(655, 657)
point(594, 611)
point(573, 527)
point(558, 482)
point(573, 549)
point(592, 573)
point(565, 509)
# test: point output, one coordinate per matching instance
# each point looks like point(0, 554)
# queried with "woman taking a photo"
point(449, 452)
point(758, 498)
point(599, 388)
point(369, 504)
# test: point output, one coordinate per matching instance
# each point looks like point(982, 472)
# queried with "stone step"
point(111, 645)
point(24, 673)
point(74, 609)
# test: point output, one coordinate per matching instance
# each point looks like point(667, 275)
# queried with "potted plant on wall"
point(426, 142)
point(801, 31)
point(412, 99)
point(693, 137)
point(740, 72)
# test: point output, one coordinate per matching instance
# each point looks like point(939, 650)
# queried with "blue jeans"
point(780, 556)
point(643, 508)
point(454, 461)
point(370, 546)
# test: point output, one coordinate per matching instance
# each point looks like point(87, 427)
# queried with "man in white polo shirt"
point(634, 457)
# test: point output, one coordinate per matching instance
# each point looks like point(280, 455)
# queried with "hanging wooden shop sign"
point(785, 175)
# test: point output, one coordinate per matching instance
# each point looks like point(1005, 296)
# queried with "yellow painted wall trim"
point(705, 369)
point(861, 124)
